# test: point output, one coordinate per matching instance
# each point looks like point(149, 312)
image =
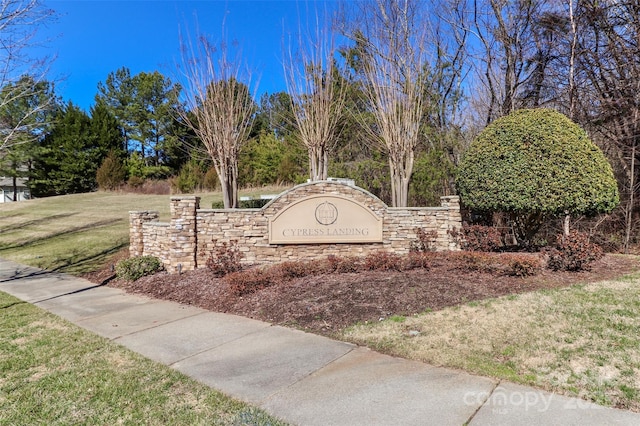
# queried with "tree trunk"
point(15, 188)
point(565, 224)
point(572, 64)
point(325, 165)
point(400, 177)
point(629, 212)
point(318, 163)
point(227, 175)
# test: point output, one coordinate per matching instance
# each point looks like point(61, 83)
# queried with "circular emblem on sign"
point(326, 213)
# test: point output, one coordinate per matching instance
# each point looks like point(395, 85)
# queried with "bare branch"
point(317, 95)
point(19, 21)
point(219, 106)
point(393, 40)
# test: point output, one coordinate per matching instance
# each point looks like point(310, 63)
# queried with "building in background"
point(10, 192)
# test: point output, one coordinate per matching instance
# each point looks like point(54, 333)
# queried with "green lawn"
point(582, 341)
point(53, 372)
point(78, 233)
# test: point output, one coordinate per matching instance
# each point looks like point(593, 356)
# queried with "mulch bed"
point(328, 303)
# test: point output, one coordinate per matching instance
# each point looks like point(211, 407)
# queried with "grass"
point(53, 372)
point(78, 233)
point(582, 341)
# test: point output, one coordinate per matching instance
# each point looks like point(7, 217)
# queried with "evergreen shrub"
point(535, 164)
point(478, 238)
point(137, 267)
point(111, 174)
point(573, 253)
point(190, 178)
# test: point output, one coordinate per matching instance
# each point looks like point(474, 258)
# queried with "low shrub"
point(343, 265)
point(225, 259)
point(417, 260)
point(243, 204)
point(478, 238)
point(573, 253)
point(425, 241)
point(382, 261)
point(473, 262)
point(243, 282)
point(295, 269)
point(520, 265)
point(137, 267)
point(248, 281)
point(254, 203)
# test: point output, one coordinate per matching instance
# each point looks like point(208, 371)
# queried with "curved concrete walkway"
point(299, 377)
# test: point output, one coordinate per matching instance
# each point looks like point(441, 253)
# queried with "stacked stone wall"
point(193, 234)
point(182, 233)
point(156, 242)
point(137, 236)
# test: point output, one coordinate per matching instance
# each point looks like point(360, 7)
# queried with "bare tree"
point(19, 21)
point(506, 48)
point(609, 87)
point(393, 43)
point(219, 107)
point(317, 95)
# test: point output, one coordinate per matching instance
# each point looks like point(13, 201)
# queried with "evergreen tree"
point(155, 102)
point(145, 106)
point(536, 164)
point(69, 156)
point(116, 94)
point(108, 134)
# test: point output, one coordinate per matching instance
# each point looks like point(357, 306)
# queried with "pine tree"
point(107, 132)
point(70, 156)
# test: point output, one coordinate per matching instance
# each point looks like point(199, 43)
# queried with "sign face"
point(325, 219)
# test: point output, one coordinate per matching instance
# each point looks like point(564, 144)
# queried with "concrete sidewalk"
point(299, 377)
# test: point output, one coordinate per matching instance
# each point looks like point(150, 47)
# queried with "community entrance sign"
point(325, 219)
point(307, 222)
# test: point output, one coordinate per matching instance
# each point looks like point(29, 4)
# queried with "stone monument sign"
point(309, 221)
point(325, 219)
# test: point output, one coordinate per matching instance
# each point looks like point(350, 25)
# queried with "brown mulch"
point(328, 303)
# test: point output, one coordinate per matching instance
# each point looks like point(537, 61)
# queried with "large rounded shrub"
point(534, 164)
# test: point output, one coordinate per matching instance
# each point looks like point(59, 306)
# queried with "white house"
point(6, 190)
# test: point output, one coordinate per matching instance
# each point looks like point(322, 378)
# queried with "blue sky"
point(93, 38)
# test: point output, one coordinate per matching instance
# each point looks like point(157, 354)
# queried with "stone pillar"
point(183, 233)
point(454, 218)
point(136, 234)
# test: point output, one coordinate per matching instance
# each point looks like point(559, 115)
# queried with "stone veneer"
point(193, 233)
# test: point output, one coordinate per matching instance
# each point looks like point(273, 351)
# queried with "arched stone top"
point(325, 212)
point(306, 190)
